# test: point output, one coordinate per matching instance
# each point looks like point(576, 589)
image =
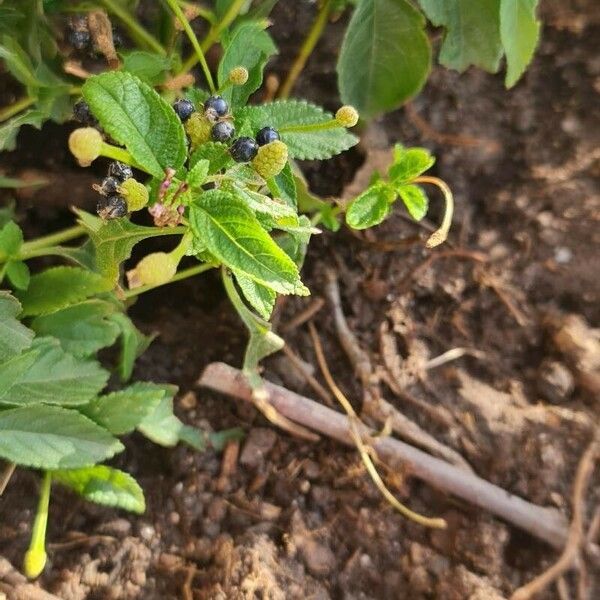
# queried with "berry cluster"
point(112, 205)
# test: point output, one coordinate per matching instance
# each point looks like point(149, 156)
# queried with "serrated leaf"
point(385, 56)
point(233, 235)
point(134, 115)
point(11, 240)
point(216, 153)
point(18, 273)
point(58, 287)
point(249, 46)
point(115, 239)
point(301, 144)
point(121, 412)
point(82, 329)
point(415, 200)
point(104, 485)
point(51, 437)
point(371, 207)
point(261, 298)
point(286, 184)
point(14, 336)
point(14, 368)
point(409, 163)
point(472, 32)
point(198, 173)
point(17, 61)
point(162, 426)
point(10, 129)
point(133, 344)
point(259, 203)
point(149, 67)
point(56, 377)
point(519, 33)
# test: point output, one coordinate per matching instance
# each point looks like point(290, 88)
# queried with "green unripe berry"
point(85, 144)
point(198, 128)
point(347, 116)
point(238, 75)
point(155, 269)
point(135, 193)
point(270, 159)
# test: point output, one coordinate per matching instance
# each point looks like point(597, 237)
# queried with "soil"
point(294, 519)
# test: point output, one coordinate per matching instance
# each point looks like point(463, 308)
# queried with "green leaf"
point(286, 184)
point(58, 287)
point(261, 298)
point(14, 368)
point(18, 273)
point(519, 33)
point(121, 412)
point(162, 426)
point(233, 235)
point(14, 336)
point(409, 163)
point(216, 153)
point(307, 145)
point(415, 200)
point(261, 204)
point(133, 344)
point(82, 329)
point(50, 437)
point(134, 115)
point(385, 56)
point(104, 485)
point(251, 47)
point(371, 207)
point(56, 378)
point(472, 32)
point(11, 240)
point(150, 68)
point(17, 61)
point(115, 239)
point(198, 173)
point(10, 129)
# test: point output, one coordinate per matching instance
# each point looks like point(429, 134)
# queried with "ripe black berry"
point(120, 170)
point(83, 114)
point(217, 105)
point(112, 207)
point(266, 135)
point(184, 109)
point(222, 131)
point(79, 39)
point(244, 149)
point(109, 186)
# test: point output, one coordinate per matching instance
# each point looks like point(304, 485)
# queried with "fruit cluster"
point(112, 205)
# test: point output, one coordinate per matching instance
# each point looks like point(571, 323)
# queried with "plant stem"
point(7, 473)
point(177, 277)
point(306, 49)
point(440, 235)
point(138, 33)
point(194, 41)
point(215, 31)
point(53, 239)
point(15, 108)
point(35, 558)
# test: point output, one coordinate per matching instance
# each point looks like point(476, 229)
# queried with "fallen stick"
point(544, 523)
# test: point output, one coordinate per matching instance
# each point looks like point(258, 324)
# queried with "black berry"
point(222, 131)
point(79, 39)
point(109, 186)
point(184, 109)
point(217, 105)
point(112, 207)
point(83, 114)
point(244, 149)
point(266, 135)
point(120, 171)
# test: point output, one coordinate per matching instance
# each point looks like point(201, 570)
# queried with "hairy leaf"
point(161, 425)
point(58, 287)
point(133, 344)
point(14, 336)
point(150, 68)
point(10, 129)
point(371, 207)
point(385, 56)
point(216, 153)
point(104, 485)
point(409, 163)
point(134, 115)
point(415, 200)
point(51, 437)
point(14, 368)
point(233, 235)
point(11, 240)
point(261, 298)
point(472, 32)
point(18, 273)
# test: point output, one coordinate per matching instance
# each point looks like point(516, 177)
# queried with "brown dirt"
point(301, 520)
